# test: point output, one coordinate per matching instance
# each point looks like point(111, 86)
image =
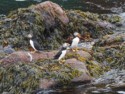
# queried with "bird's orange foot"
point(76, 49)
point(34, 51)
point(73, 49)
point(62, 61)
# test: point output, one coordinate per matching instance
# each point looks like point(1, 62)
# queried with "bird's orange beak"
point(79, 36)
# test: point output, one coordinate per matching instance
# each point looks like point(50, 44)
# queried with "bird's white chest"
point(62, 55)
point(75, 42)
point(32, 45)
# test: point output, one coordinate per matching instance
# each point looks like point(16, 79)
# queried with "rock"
point(113, 78)
point(86, 45)
point(50, 11)
point(111, 49)
point(46, 83)
point(116, 86)
point(8, 49)
point(80, 66)
point(39, 74)
point(105, 24)
point(116, 38)
point(84, 54)
point(25, 56)
point(1, 47)
point(2, 53)
point(22, 56)
point(5, 93)
point(50, 25)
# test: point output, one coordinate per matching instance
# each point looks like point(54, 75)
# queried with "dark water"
point(97, 6)
point(81, 90)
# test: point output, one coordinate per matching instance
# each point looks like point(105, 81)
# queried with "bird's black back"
point(36, 44)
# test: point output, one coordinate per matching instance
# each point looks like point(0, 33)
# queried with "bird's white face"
point(66, 45)
point(30, 36)
point(76, 34)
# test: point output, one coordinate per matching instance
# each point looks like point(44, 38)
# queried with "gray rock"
point(8, 49)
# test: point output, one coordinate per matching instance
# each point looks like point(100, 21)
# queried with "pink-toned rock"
point(46, 83)
point(84, 54)
point(105, 24)
point(80, 66)
point(50, 11)
point(22, 56)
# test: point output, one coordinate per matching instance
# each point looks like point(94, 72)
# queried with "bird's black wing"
point(37, 45)
point(70, 42)
point(58, 54)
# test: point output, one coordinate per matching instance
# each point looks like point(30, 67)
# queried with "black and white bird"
point(75, 40)
point(34, 44)
point(61, 54)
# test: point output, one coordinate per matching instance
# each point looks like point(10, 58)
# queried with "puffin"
point(75, 41)
point(34, 44)
point(61, 54)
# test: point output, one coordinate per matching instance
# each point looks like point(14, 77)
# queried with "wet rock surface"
point(112, 77)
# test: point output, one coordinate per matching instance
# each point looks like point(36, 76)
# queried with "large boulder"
point(80, 66)
point(25, 56)
point(50, 11)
